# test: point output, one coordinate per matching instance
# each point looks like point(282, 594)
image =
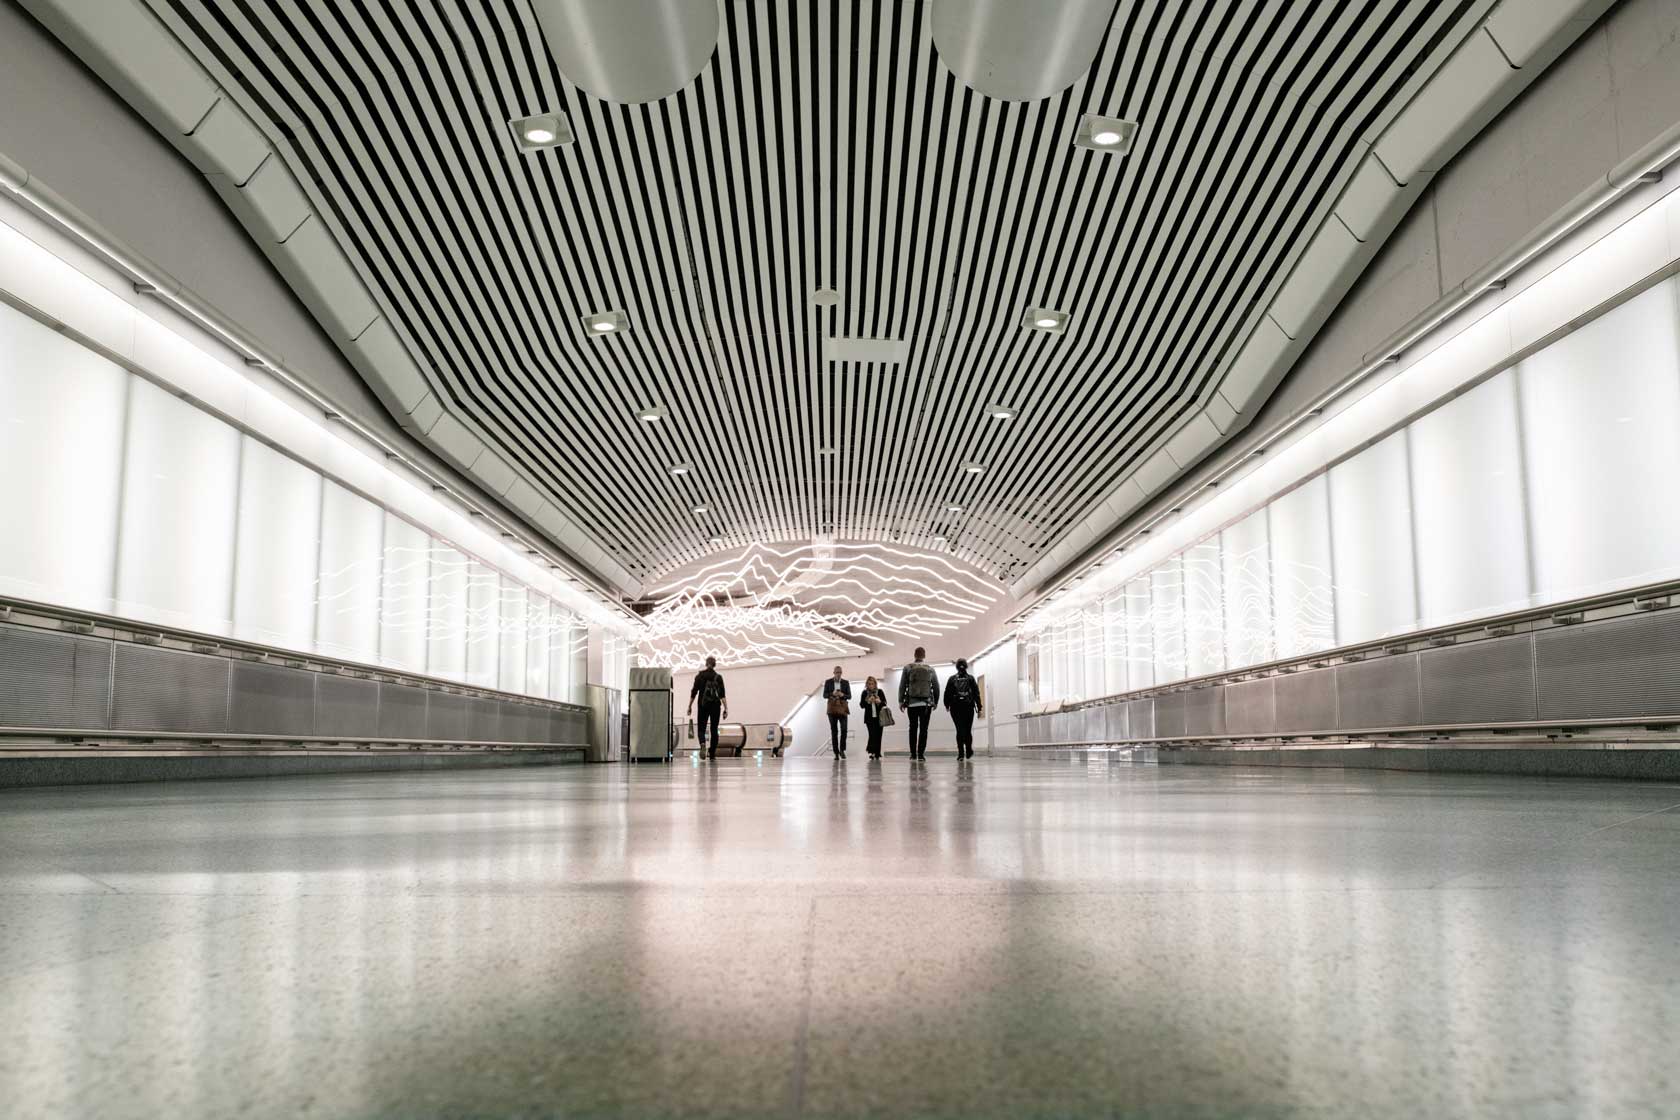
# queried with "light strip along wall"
point(1509, 461)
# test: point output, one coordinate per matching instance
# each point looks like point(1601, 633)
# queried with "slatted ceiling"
point(824, 145)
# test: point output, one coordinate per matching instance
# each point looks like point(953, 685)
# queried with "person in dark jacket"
point(837, 685)
point(873, 701)
point(714, 704)
point(918, 693)
point(963, 701)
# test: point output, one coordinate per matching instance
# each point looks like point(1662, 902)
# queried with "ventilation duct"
point(629, 51)
point(1016, 51)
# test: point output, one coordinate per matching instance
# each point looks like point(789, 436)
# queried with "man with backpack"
point(918, 692)
point(708, 689)
point(962, 700)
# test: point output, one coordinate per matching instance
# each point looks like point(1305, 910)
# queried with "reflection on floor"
point(1007, 938)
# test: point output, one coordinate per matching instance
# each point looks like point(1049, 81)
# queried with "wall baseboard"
point(1635, 763)
point(60, 770)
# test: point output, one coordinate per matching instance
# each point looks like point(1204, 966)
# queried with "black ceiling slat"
point(712, 216)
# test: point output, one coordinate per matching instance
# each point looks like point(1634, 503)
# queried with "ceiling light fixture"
point(1105, 134)
point(680, 469)
point(541, 132)
point(606, 322)
point(953, 509)
point(1002, 412)
point(825, 297)
point(1046, 320)
point(651, 415)
point(973, 468)
point(701, 509)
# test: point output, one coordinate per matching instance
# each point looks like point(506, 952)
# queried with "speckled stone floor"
point(1010, 938)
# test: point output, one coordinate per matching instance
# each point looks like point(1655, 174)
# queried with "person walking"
point(963, 701)
point(714, 704)
point(837, 695)
point(918, 692)
point(874, 703)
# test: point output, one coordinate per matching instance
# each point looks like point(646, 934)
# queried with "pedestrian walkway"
point(1012, 937)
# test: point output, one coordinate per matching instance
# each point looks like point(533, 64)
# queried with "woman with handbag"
point(837, 696)
point(877, 713)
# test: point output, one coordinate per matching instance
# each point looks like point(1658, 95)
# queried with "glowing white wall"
point(130, 499)
point(61, 441)
point(1548, 480)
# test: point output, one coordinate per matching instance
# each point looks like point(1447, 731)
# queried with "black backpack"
point(712, 691)
point(962, 690)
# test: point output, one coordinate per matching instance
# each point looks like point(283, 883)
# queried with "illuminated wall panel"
point(1371, 532)
point(538, 645)
point(1601, 421)
point(484, 623)
point(405, 596)
point(352, 561)
point(1245, 561)
point(1303, 612)
point(61, 429)
point(446, 614)
point(515, 625)
point(278, 549)
point(1114, 641)
point(1467, 489)
point(180, 492)
point(1140, 633)
point(1204, 609)
point(1166, 597)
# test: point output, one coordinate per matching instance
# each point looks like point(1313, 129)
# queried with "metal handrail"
point(1396, 644)
point(130, 631)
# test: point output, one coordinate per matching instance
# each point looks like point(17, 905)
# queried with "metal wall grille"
point(1482, 682)
point(402, 712)
point(53, 680)
point(66, 682)
point(167, 690)
point(1622, 668)
point(1117, 726)
point(346, 706)
point(1204, 711)
point(1617, 668)
point(1379, 693)
point(484, 720)
point(1140, 718)
point(1305, 701)
point(1250, 707)
point(447, 716)
point(271, 700)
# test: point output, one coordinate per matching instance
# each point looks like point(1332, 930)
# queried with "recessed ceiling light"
point(1045, 319)
point(606, 322)
point(953, 509)
point(1105, 134)
point(716, 540)
point(541, 132)
point(825, 297)
point(825, 451)
point(973, 468)
point(680, 469)
point(701, 509)
point(1002, 412)
point(651, 415)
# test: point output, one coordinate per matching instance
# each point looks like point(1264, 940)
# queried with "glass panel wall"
point(1551, 479)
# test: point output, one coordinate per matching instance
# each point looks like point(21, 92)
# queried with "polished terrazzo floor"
point(1010, 938)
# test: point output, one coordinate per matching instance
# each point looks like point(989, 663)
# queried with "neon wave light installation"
point(811, 600)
